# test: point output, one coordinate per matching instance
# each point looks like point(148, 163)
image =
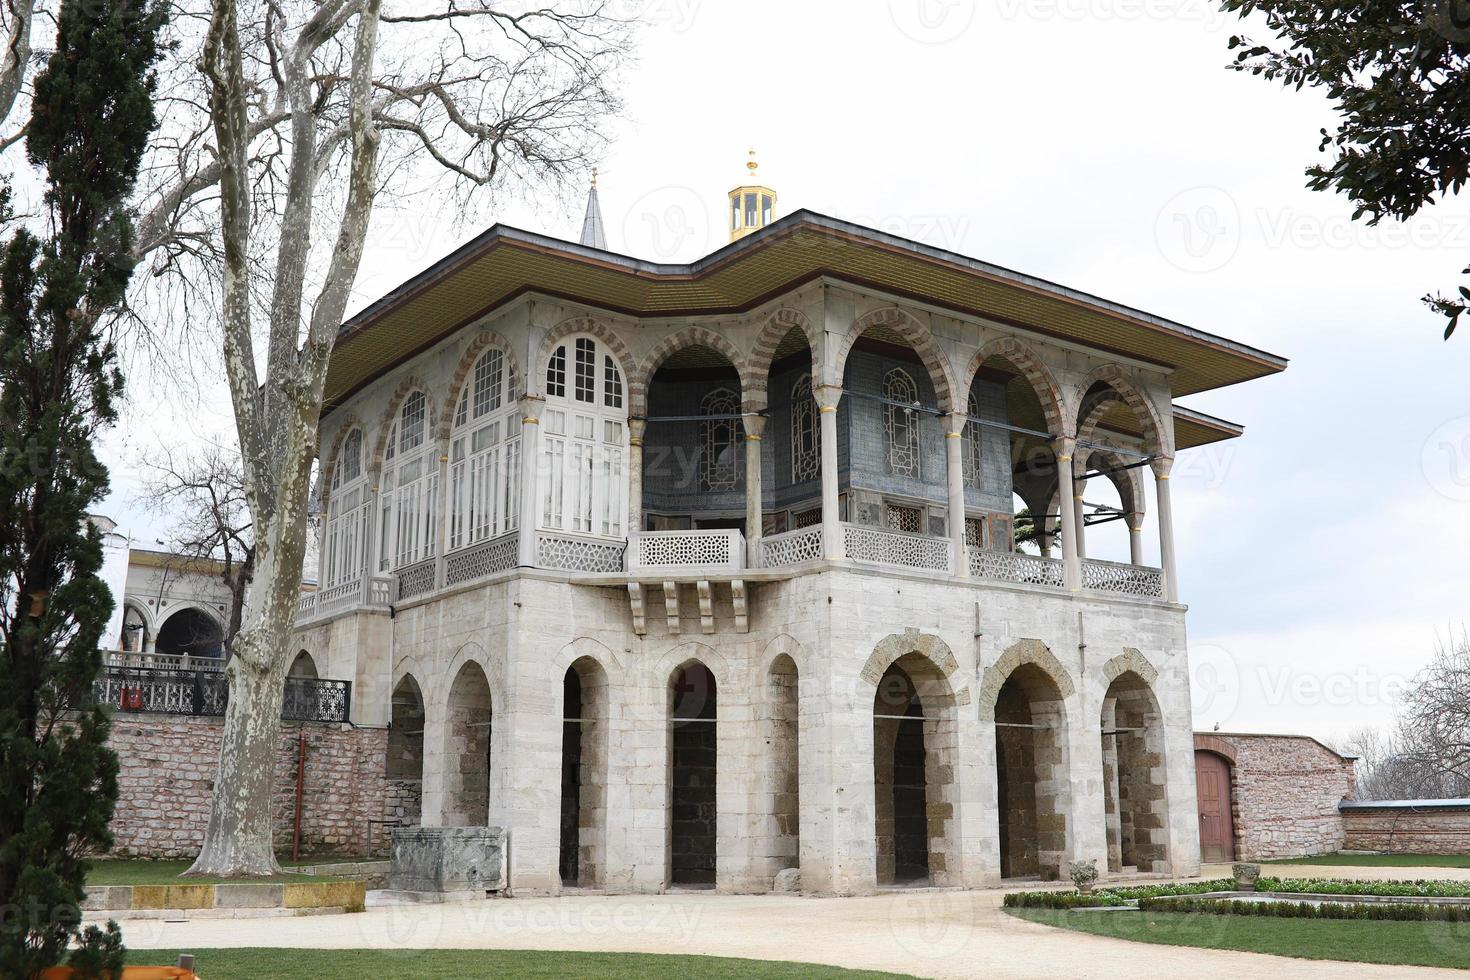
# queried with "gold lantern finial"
point(752, 204)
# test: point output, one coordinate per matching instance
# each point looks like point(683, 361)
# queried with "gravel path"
point(923, 932)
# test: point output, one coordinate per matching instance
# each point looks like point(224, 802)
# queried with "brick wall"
point(1284, 793)
point(1408, 829)
point(166, 772)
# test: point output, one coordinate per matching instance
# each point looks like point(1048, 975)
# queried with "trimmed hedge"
point(1420, 888)
point(1306, 910)
point(1110, 896)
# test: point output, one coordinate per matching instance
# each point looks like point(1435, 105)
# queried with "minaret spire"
point(592, 235)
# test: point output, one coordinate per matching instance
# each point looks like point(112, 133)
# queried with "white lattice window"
point(901, 423)
point(484, 457)
point(584, 442)
point(970, 444)
point(907, 519)
point(719, 441)
point(349, 519)
point(806, 432)
point(410, 487)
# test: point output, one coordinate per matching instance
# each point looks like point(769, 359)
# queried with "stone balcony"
point(664, 560)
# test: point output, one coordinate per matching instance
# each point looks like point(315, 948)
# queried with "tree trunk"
point(238, 840)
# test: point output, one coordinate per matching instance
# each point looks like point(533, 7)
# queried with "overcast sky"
point(1100, 144)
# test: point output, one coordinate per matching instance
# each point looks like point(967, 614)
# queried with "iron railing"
point(206, 693)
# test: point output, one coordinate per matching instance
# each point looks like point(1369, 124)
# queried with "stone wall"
point(1285, 791)
point(167, 767)
point(1407, 828)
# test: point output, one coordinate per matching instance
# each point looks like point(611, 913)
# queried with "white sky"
point(1103, 145)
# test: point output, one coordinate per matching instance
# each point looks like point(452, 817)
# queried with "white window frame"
point(484, 456)
point(409, 490)
point(584, 442)
point(349, 516)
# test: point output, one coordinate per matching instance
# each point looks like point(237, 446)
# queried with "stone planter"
point(1245, 876)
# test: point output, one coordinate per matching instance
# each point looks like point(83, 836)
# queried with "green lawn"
point(456, 964)
point(1381, 860)
point(123, 871)
point(1442, 944)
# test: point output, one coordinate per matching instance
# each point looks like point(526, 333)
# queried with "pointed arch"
point(1130, 661)
point(919, 337)
point(593, 327)
point(1156, 436)
point(926, 645)
point(688, 337)
point(486, 339)
point(1021, 653)
point(777, 326)
point(405, 388)
point(349, 422)
point(1034, 370)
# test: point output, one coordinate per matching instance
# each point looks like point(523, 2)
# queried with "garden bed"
point(232, 900)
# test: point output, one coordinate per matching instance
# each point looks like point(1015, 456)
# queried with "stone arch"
point(303, 665)
point(927, 646)
point(485, 340)
point(580, 648)
point(1034, 370)
point(1155, 435)
point(405, 388)
point(469, 716)
point(777, 326)
point(1022, 652)
point(144, 618)
point(782, 644)
point(585, 710)
point(682, 653)
point(205, 629)
point(919, 336)
point(692, 693)
point(1130, 660)
point(696, 336)
point(408, 702)
point(349, 422)
point(1217, 745)
point(593, 327)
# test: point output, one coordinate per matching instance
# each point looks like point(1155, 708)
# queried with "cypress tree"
point(91, 117)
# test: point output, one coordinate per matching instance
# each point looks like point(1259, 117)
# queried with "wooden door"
point(1216, 828)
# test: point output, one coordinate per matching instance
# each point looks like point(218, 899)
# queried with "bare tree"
point(16, 18)
point(1432, 741)
point(303, 98)
point(203, 494)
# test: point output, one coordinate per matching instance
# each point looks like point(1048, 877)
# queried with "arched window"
point(349, 517)
point(901, 423)
point(806, 432)
point(971, 443)
point(409, 489)
point(584, 441)
point(719, 441)
point(484, 456)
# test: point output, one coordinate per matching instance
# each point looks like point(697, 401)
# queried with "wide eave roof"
point(504, 262)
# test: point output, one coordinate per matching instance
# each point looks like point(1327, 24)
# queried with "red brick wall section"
point(166, 771)
point(1406, 830)
point(1284, 793)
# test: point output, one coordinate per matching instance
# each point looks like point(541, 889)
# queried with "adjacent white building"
point(689, 574)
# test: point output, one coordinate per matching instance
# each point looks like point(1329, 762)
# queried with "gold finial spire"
point(594, 178)
point(751, 165)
